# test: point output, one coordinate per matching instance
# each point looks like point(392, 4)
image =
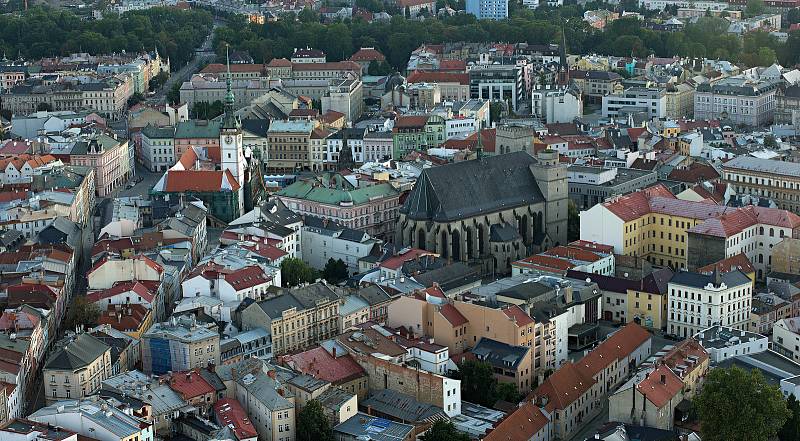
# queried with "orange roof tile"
point(563, 387)
point(733, 263)
point(452, 315)
point(660, 386)
point(367, 54)
point(200, 181)
point(619, 345)
point(521, 425)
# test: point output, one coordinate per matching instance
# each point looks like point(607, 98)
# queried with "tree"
point(294, 272)
point(158, 81)
point(791, 430)
point(44, 107)
point(507, 392)
point(754, 7)
point(444, 431)
point(174, 94)
point(82, 313)
point(308, 16)
point(312, 424)
point(770, 142)
point(206, 110)
point(335, 271)
point(135, 99)
point(477, 382)
point(495, 111)
point(573, 222)
point(736, 405)
point(379, 68)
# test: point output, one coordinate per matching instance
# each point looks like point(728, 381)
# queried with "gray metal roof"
point(750, 163)
point(698, 280)
point(499, 354)
point(77, 354)
point(93, 409)
point(365, 426)
point(403, 407)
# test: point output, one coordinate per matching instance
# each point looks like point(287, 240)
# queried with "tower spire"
point(229, 119)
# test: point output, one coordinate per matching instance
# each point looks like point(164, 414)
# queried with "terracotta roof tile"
point(200, 181)
point(124, 318)
point(619, 345)
point(519, 316)
point(189, 384)
point(660, 386)
point(452, 315)
point(320, 364)
point(438, 77)
point(367, 54)
point(733, 263)
point(230, 413)
point(521, 425)
point(563, 387)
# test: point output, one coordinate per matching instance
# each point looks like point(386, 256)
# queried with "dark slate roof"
point(525, 291)
point(403, 407)
point(503, 233)
point(449, 276)
point(256, 126)
point(374, 295)
point(301, 298)
point(77, 354)
point(499, 354)
point(698, 280)
point(471, 188)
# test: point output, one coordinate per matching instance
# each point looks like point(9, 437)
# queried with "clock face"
point(229, 139)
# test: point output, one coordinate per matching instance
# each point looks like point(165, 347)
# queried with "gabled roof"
point(616, 347)
point(660, 386)
point(367, 54)
point(319, 363)
point(563, 387)
point(469, 188)
point(452, 315)
point(738, 262)
point(204, 181)
point(77, 354)
point(189, 384)
point(521, 425)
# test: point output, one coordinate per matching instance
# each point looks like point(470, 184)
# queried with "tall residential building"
point(289, 144)
point(649, 101)
point(556, 104)
point(107, 156)
point(698, 301)
point(656, 226)
point(497, 82)
point(77, 369)
point(364, 206)
point(297, 319)
point(772, 179)
point(737, 99)
point(180, 344)
point(488, 9)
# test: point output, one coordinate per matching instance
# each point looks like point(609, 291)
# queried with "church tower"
point(231, 141)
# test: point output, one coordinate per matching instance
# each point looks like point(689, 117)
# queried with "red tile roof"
point(128, 318)
point(680, 355)
point(320, 364)
point(334, 65)
point(218, 68)
point(247, 277)
point(452, 315)
point(438, 77)
point(133, 286)
point(592, 246)
point(733, 263)
point(521, 425)
point(397, 261)
point(410, 122)
point(330, 117)
point(516, 314)
point(563, 387)
point(230, 413)
point(694, 174)
point(453, 65)
point(618, 346)
point(660, 386)
point(14, 195)
point(367, 54)
point(279, 62)
point(199, 181)
point(189, 384)
point(546, 263)
point(574, 253)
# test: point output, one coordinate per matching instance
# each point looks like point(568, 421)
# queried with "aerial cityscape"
point(399, 220)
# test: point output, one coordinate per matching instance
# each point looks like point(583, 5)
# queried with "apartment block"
point(77, 369)
point(179, 345)
point(698, 301)
point(737, 99)
point(769, 178)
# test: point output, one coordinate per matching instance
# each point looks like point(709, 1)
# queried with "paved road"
point(191, 67)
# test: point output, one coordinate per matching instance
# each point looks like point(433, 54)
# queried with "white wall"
point(600, 225)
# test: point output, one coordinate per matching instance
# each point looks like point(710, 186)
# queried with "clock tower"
point(230, 142)
point(230, 137)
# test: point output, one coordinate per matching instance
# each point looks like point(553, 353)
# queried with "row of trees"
point(398, 37)
point(45, 32)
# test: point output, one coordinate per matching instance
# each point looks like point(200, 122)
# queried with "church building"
point(490, 210)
